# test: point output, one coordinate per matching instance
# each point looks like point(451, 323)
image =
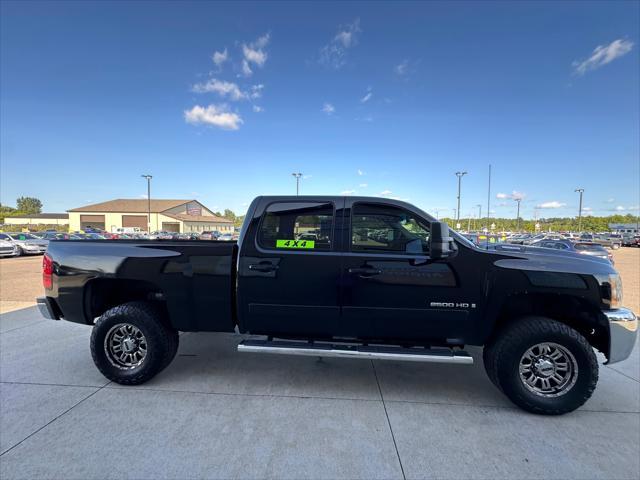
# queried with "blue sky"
point(368, 98)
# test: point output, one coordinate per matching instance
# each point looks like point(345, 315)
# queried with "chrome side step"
point(416, 354)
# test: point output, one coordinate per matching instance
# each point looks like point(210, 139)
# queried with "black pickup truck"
point(351, 277)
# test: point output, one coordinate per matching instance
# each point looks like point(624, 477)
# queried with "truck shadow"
point(210, 363)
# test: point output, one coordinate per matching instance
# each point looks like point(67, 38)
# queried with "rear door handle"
point(365, 271)
point(263, 267)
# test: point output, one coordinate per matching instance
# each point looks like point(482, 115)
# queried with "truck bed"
point(193, 278)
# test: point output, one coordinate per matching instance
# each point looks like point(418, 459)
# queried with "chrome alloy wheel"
point(125, 346)
point(548, 370)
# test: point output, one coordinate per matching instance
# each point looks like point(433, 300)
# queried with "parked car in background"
point(209, 235)
point(8, 249)
point(583, 248)
point(60, 236)
point(26, 243)
point(225, 237)
point(612, 241)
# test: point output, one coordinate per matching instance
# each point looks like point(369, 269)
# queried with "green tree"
point(229, 215)
point(29, 205)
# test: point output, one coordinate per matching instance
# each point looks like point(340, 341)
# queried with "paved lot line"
point(26, 409)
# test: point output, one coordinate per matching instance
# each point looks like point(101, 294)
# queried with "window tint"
point(376, 228)
point(297, 226)
point(4, 236)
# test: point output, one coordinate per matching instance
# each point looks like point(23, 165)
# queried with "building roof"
point(198, 218)
point(53, 216)
point(132, 205)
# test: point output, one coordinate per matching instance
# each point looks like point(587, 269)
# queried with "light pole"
point(148, 177)
point(459, 175)
point(298, 176)
point(518, 200)
point(479, 214)
point(580, 191)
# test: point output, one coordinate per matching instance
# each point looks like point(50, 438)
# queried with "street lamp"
point(479, 214)
point(459, 175)
point(298, 176)
point(148, 177)
point(518, 200)
point(580, 191)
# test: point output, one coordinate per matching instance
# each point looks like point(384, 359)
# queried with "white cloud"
point(246, 69)
point(553, 204)
point(620, 208)
point(361, 173)
point(214, 115)
point(334, 54)
point(256, 91)
point(402, 68)
point(254, 53)
point(347, 192)
point(328, 108)
point(386, 192)
point(219, 58)
point(306, 177)
point(611, 200)
point(221, 87)
point(228, 90)
point(364, 185)
point(602, 55)
point(515, 195)
point(367, 97)
point(258, 109)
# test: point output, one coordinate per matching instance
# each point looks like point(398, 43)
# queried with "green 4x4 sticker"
point(295, 244)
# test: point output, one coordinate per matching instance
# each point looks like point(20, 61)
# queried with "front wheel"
point(542, 365)
point(133, 342)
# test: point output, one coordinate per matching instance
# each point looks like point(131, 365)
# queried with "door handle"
point(263, 267)
point(365, 271)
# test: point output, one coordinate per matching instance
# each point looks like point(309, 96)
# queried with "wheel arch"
point(102, 294)
point(573, 311)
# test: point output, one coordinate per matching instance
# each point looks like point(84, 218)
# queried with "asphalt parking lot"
point(216, 413)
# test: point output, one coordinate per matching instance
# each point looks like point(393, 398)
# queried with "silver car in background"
point(26, 243)
point(7, 249)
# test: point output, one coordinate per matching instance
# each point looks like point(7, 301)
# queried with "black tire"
point(160, 339)
point(502, 359)
point(19, 252)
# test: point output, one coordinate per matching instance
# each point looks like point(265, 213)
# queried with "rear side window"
point(386, 229)
point(306, 226)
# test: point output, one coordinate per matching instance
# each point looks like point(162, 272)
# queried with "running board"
point(416, 354)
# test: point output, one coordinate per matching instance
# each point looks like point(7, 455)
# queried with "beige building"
point(182, 216)
point(39, 219)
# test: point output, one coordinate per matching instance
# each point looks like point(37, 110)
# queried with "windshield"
point(23, 236)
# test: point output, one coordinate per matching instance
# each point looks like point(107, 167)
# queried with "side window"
point(304, 226)
point(4, 236)
point(381, 229)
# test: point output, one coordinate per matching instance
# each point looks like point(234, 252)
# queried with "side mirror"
point(441, 243)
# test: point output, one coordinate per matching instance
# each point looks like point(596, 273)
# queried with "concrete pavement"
point(216, 413)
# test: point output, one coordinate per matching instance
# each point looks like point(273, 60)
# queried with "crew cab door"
point(289, 269)
point(391, 288)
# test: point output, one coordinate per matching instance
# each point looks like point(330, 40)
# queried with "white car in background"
point(7, 249)
point(26, 243)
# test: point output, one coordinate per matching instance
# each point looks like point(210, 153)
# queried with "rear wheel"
point(542, 365)
point(133, 342)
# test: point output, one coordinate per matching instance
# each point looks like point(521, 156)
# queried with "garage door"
point(92, 221)
point(170, 227)
point(139, 221)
